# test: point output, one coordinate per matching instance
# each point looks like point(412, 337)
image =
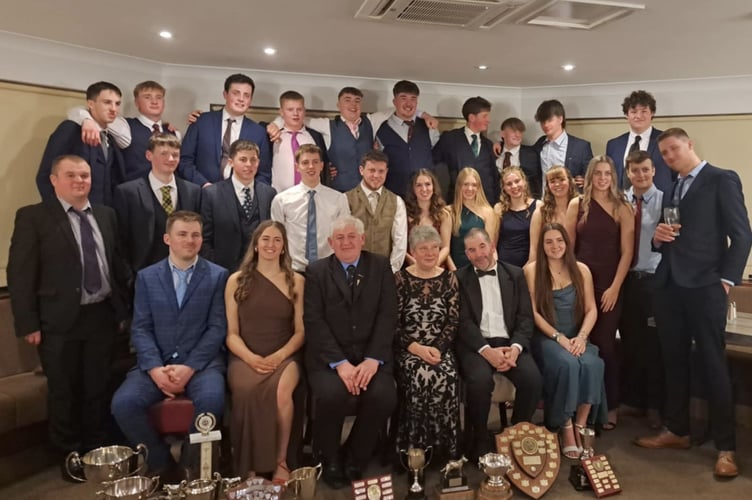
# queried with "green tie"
point(475, 145)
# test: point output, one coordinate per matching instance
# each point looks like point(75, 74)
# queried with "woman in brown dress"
point(558, 192)
point(264, 301)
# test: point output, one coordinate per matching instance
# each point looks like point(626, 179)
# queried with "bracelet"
point(555, 336)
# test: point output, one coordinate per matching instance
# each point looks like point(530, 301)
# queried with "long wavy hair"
point(480, 197)
point(615, 195)
point(504, 199)
point(250, 263)
point(436, 204)
point(544, 283)
point(548, 210)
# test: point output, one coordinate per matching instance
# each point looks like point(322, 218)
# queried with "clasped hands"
point(357, 378)
point(575, 346)
point(501, 358)
point(171, 379)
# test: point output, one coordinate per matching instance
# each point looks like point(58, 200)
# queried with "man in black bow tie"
point(496, 323)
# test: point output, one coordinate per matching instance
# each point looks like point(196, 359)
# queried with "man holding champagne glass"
point(698, 267)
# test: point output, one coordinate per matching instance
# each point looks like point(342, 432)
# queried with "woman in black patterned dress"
point(427, 377)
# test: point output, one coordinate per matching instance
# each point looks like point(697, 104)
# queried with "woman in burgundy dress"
point(601, 224)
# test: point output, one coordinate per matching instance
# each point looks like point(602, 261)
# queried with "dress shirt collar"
point(515, 150)
point(239, 185)
point(469, 134)
point(491, 268)
point(226, 115)
point(695, 171)
point(174, 267)
point(67, 206)
point(345, 265)
point(644, 137)
point(156, 184)
point(368, 191)
point(148, 123)
point(647, 197)
point(559, 141)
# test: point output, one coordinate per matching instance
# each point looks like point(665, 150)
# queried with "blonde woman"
point(558, 192)
point(514, 211)
point(470, 209)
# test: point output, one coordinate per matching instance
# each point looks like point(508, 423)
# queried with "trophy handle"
point(429, 455)
point(73, 457)
point(403, 453)
point(141, 449)
point(154, 485)
point(318, 468)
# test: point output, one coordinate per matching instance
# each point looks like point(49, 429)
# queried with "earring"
point(255, 249)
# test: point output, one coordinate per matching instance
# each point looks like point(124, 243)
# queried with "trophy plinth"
point(454, 482)
point(577, 475)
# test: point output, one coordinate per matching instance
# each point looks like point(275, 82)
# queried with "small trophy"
point(577, 475)
point(495, 466)
point(414, 460)
point(454, 482)
point(374, 488)
point(206, 436)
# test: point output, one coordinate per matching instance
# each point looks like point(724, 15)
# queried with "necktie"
point(166, 200)
point(481, 272)
point(294, 145)
point(350, 275)
point(373, 199)
point(182, 285)
point(92, 276)
point(475, 145)
point(678, 188)
point(354, 130)
point(634, 147)
point(156, 129)
point(410, 127)
point(105, 139)
point(312, 250)
point(226, 141)
point(637, 227)
point(507, 160)
point(247, 203)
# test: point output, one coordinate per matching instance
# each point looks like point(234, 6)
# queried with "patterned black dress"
point(429, 405)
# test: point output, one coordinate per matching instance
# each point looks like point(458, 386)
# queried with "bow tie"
point(481, 272)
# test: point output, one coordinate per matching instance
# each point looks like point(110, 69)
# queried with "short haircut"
point(676, 132)
point(475, 105)
point(638, 156)
point(163, 139)
point(341, 223)
point(373, 155)
point(308, 148)
point(243, 145)
point(548, 109)
point(422, 234)
point(239, 78)
point(477, 231)
point(291, 95)
point(93, 91)
point(350, 91)
point(60, 159)
point(147, 85)
point(405, 87)
point(184, 216)
point(514, 123)
point(638, 98)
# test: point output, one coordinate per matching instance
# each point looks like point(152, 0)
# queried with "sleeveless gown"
point(514, 236)
point(468, 220)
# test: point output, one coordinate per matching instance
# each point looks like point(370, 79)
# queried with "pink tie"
point(294, 145)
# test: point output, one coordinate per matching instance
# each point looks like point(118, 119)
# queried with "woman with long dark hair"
point(425, 207)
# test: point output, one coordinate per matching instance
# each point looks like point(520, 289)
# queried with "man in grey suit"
point(701, 259)
point(233, 208)
point(143, 205)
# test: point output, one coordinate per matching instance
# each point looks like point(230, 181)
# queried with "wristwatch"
point(555, 336)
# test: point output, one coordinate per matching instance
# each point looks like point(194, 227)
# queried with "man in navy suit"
point(556, 147)
point(233, 208)
point(106, 162)
point(178, 331)
point(702, 258)
point(639, 109)
point(206, 147)
point(143, 205)
point(513, 152)
point(467, 147)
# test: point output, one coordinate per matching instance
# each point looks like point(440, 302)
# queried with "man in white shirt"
point(496, 324)
point(513, 152)
point(308, 209)
point(382, 212)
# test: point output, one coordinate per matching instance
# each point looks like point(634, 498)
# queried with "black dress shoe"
point(334, 476)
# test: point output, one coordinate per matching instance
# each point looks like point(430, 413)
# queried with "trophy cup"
point(303, 481)
point(414, 460)
point(577, 475)
point(495, 466)
point(454, 482)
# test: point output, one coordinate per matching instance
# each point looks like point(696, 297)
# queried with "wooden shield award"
point(535, 457)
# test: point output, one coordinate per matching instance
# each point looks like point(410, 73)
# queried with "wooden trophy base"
point(467, 494)
point(487, 492)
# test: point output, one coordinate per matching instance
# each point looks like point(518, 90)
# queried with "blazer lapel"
point(696, 185)
point(338, 275)
point(64, 225)
point(165, 280)
point(473, 290)
point(106, 230)
point(218, 125)
point(360, 273)
point(146, 200)
point(227, 193)
point(507, 295)
point(198, 275)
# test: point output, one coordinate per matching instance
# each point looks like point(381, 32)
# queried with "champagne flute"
point(671, 217)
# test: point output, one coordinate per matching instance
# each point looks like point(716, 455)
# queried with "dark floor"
point(643, 474)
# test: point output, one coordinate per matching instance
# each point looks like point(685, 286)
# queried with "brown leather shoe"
point(664, 439)
point(725, 466)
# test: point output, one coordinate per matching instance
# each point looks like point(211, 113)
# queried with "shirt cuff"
point(483, 348)
point(728, 282)
point(334, 365)
point(518, 346)
point(377, 360)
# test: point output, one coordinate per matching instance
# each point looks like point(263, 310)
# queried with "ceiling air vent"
point(470, 14)
point(578, 14)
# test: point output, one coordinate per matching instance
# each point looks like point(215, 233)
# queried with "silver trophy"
point(495, 466)
point(415, 460)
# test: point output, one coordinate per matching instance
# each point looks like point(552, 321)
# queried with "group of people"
point(321, 255)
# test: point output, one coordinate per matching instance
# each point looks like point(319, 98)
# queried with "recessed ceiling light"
point(567, 67)
point(270, 51)
point(165, 34)
point(482, 67)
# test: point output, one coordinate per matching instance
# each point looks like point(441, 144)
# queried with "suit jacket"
point(530, 164)
point(223, 241)
point(193, 333)
point(66, 140)
point(579, 154)
point(201, 153)
point(515, 298)
point(340, 325)
point(712, 212)
point(455, 152)
point(664, 176)
point(45, 271)
point(134, 206)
